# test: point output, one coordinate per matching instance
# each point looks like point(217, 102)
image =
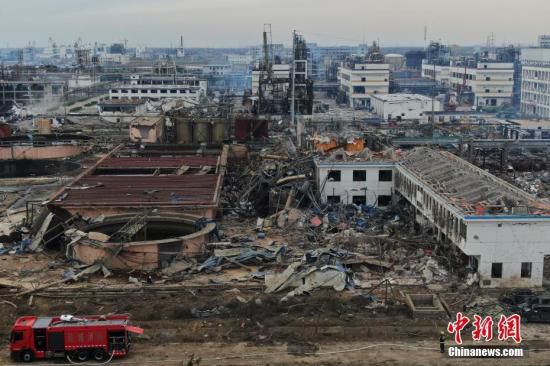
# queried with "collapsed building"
point(138, 209)
point(498, 228)
point(162, 177)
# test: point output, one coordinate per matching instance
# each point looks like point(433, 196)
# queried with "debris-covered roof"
point(129, 162)
point(467, 187)
point(122, 101)
point(341, 155)
point(141, 191)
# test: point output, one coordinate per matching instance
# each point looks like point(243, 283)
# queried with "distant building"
point(321, 58)
point(544, 41)
point(491, 83)
point(395, 60)
point(439, 73)
point(121, 110)
point(362, 80)
point(403, 106)
point(535, 83)
point(160, 87)
point(414, 59)
point(361, 77)
point(280, 75)
point(216, 70)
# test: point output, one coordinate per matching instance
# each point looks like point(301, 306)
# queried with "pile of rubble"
point(535, 183)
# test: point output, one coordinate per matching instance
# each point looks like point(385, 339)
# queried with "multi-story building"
point(321, 57)
point(440, 73)
point(544, 41)
point(491, 83)
point(535, 82)
point(160, 87)
point(362, 80)
point(280, 74)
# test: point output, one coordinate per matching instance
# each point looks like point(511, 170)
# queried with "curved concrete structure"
point(187, 240)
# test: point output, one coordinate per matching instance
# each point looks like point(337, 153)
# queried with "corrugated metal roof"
point(108, 190)
point(158, 162)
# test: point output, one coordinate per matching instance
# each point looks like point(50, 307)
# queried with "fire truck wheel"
point(99, 355)
point(82, 355)
point(27, 356)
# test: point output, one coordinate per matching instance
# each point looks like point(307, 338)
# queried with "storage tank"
point(184, 133)
point(201, 132)
point(219, 131)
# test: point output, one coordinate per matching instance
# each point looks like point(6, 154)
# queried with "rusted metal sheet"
point(173, 191)
point(250, 128)
point(158, 162)
point(5, 130)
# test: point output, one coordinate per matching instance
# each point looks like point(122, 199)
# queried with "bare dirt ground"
point(256, 329)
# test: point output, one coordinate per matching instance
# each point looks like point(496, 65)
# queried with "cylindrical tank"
point(184, 133)
point(201, 132)
point(218, 131)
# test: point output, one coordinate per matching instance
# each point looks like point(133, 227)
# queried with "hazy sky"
point(230, 23)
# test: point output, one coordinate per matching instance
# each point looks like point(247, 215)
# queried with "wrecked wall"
point(347, 188)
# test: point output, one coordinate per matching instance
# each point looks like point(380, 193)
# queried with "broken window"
point(385, 175)
point(333, 199)
point(526, 269)
point(334, 175)
point(488, 78)
point(359, 175)
point(496, 270)
point(384, 201)
point(359, 200)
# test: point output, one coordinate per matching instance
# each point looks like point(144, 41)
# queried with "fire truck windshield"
point(16, 336)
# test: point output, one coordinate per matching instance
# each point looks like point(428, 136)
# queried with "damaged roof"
point(467, 187)
point(99, 190)
point(130, 162)
point(186, 181)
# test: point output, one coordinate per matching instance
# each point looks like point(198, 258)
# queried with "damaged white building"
point(501, 229)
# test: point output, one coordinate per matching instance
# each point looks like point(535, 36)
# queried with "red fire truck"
point(79, 338)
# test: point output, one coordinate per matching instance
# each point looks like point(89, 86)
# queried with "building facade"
point(160, 87)
point(362, 80)
point(544, 41)
point(360, 183)
point(441, 73)
point(535, 82)
point(491, 83)
point(404, 106)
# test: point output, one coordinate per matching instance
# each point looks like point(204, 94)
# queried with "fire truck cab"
point(79, 338)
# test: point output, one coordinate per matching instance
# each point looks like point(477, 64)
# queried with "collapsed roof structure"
point(126, 180)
